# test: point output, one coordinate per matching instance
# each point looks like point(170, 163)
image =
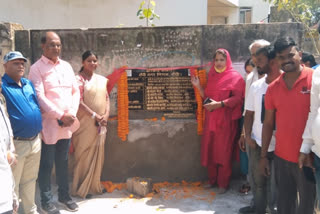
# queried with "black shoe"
point(70, 205)
point(49, 209)
point(88, 196)
point(248, 209)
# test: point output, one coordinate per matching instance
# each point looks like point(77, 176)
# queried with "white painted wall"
point(45, 14)
point(260, 9)
point(232, 2)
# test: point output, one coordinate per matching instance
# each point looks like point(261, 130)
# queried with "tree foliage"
point(147, 11)
point(305, 11)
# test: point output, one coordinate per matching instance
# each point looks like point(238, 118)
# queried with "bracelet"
point(222, 104)
point(93, 115)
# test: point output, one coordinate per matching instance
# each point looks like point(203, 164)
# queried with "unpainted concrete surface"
point(201, 202)
point(7, 36)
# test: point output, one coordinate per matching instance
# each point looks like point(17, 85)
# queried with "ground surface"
point(193, 198)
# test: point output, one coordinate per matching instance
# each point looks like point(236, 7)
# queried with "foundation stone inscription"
point(156, 93)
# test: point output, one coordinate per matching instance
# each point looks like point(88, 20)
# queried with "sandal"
point(245, 188)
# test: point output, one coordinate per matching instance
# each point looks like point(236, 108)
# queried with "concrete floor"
point(182, 199)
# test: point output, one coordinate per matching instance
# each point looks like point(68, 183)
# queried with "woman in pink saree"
point(89, 140)
point(225, 91)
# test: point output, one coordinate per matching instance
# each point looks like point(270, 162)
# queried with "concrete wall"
point(279, 16)
point(162, 150)
point(308, 45)
point(63, 14)
point(7, 34)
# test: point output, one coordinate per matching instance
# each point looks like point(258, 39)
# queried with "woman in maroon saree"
point(225, 89)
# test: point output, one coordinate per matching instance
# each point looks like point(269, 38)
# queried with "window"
point(245, 15)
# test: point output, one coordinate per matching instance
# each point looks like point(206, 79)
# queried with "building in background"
point(237, 11)
point(223, 12)
point(253, 11)
point(66, 14)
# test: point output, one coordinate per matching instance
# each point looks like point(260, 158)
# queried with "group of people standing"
point(40, 117)
point(281, 126)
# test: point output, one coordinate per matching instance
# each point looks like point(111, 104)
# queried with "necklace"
point(85, 75)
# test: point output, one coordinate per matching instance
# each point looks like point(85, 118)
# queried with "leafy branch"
point(304, 11)
point(148, 12)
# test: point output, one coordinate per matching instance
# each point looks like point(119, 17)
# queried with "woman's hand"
point(98, 118)
point(195, 81)
point(104, 120)
point(212, 106)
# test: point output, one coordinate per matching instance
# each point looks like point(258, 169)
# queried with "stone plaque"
point(157, 93)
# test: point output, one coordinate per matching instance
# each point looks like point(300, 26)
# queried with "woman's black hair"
point(248, 62)
point(85, 55)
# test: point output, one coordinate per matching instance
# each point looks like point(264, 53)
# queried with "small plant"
point(147, 12)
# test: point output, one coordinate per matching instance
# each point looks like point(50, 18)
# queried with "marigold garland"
point(202, 75)
point(110, 187)
point(168, 191)
point(123, 104)
point(123, 107)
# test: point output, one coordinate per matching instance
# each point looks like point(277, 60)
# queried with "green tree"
point(305, 11)
point(147, 11)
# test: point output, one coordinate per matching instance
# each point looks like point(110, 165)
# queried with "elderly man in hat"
point(26, 122)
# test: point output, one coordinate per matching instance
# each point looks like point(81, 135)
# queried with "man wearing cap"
point(25, 118)
point(59, 99)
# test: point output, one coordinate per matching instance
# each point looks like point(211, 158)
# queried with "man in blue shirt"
point(25, 118)
point(308, 60)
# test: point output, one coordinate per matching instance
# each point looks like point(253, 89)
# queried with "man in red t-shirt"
point(287, 103)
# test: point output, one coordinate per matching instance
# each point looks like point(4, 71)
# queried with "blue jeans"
point(58, 154)
point(317, 176)
point(244, 163)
